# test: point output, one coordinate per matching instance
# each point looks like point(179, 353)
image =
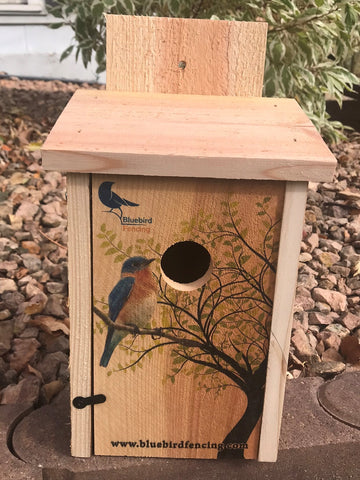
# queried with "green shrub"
point(309, 41)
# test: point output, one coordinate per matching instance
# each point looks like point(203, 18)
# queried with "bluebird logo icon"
point(116, 204)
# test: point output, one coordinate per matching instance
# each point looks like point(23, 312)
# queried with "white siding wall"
point(29, 48)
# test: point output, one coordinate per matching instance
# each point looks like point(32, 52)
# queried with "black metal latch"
point(82, 402)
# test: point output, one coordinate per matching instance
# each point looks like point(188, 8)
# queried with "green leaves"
point(307, 50)
point(66, 53)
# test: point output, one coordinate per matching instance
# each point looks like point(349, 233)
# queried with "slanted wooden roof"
point(187, 136)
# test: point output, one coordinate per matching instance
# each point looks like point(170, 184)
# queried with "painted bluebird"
point(112, 200)
point(131, 301)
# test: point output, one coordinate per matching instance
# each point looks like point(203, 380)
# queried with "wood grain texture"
point(137, 60)
point(188, 136)
point(290, 239)
point(80, 300)
point(142, 402)
point(222, 57)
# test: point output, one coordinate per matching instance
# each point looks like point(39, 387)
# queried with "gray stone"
point(10, 376)
point(20, 236)
point(306, 270)
point(33, 288)
point(55, 287)
point(340, 270)
point(326, 284)
point(20, 178)
point(54, 307)
point(305, 257)
point(303, 299)
point(51, 220)
point(53, 208)
point(347, 252)
point(26, 391)
point(12, 300)
point(300, 320)
point(337, 211)
point(303, 349)
point(20, 323)
point(340, 330)
point(30, 332)
point(336, 300)
point(54, 178)
point(27, 210)
point(331, 355)
point(328, 258)
point(343, 288)
point(322, 307)
point(36, 304)
point(50, 364)
point(7, 285)
point(5, 314)
point(354, 301)
point(319, 318)
point(307, 281)
point(64, 372)
point(330, 245)
point(24, 350)
point(312, 339)
point(350, 321)
point(54, 343)
point(50, 390)
point(3, 366)
point(6, 209)
point(320, 347)
point(8, 267)
point(22, 282)
point(313, 241)
point(315, 329)
point(6, 335)
point(330, 339)
point(353, 283)
point(31, 262)
point(7, 244)
point(326, 369)
point(54, 270)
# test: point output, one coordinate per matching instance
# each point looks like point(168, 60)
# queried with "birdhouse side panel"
point(180, 346)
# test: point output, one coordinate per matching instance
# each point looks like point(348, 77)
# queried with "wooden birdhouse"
point(186, 196)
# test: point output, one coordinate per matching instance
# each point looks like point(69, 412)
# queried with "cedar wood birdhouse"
point(186, 197)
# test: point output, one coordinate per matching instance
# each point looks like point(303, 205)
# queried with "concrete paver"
point(313, 445)
point(340, 398)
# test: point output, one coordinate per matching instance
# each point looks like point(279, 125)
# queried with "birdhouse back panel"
point(183, 285)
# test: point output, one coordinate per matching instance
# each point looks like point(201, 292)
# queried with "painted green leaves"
point(219, 333)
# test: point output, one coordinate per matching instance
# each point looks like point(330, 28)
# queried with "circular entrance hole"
point(186, 265)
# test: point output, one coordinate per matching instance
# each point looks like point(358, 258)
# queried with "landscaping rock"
point(23, 350)
point(336, 300)
point(304, 351)
point(26, 391)
point(326, 369)
point(7, 285)
point(6, 335)
point(350, 321)
point(34, 328)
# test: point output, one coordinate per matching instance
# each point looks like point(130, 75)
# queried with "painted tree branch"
point(241, 374)
point(154, 332)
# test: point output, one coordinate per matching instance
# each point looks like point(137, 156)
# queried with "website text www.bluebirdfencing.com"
point(183, 444)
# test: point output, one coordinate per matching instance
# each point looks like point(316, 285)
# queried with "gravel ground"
point(34, 323)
